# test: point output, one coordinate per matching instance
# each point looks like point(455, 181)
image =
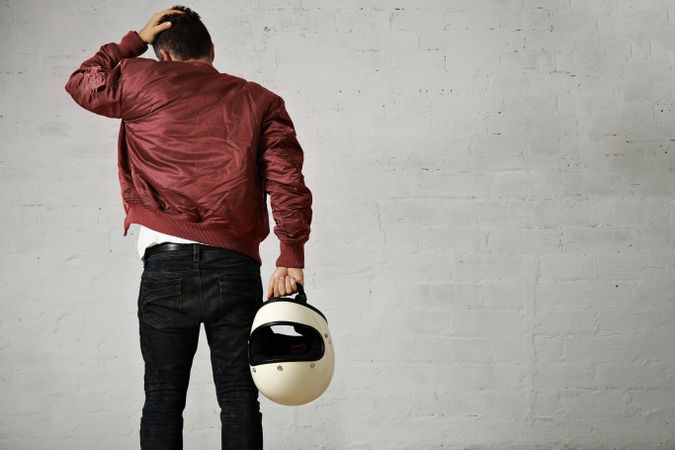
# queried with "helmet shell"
point(291, 370)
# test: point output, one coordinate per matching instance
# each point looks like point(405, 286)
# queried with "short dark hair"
point(187, 37)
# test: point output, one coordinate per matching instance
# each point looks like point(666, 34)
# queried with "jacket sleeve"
point(95, 85)
point(291, 200)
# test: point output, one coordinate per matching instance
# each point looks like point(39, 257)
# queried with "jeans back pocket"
point(240, 296)
point(160, 299)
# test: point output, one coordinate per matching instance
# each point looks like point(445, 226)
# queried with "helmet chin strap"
point(301, 297)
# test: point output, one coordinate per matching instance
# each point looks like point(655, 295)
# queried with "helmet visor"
point(267, 344)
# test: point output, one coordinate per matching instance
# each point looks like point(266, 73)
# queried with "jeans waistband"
point(197, 250)
point(172, 246)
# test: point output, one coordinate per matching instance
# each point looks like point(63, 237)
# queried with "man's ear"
point(164, 55)
point(213, 52)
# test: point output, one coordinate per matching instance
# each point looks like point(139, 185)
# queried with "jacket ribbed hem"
point(291, 254)
point(207, 232)
point(131, 45)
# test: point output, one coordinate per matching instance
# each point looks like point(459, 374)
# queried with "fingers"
point(297, 274)
point(167, 11)
point(289, 289)
point(281, 285)
point(159, 15)
point(276, 287)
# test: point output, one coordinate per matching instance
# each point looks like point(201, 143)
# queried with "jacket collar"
point(203, 64)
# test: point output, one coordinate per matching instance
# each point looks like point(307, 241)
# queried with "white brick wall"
point(493, 238)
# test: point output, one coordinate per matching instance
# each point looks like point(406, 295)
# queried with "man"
point(198, 151)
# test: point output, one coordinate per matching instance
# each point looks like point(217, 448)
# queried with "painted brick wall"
point(493, 236)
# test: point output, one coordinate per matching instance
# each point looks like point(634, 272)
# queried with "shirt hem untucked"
point(177, 225)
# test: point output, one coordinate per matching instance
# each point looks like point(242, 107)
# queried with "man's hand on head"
point(153, 27)
point(283, 281)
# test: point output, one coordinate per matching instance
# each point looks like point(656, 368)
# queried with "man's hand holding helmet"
point(283, 281)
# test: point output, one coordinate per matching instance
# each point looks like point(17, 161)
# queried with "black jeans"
point(179, 290)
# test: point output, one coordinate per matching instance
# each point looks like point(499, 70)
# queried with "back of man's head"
point(187, 38)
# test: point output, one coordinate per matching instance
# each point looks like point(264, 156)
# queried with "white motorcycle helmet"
point(291, 369)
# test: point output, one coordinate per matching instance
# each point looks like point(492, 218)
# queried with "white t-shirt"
point(148, 237)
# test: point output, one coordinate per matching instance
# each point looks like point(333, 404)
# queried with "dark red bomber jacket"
point(199, 150)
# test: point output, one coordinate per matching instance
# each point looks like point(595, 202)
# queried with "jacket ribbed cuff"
point(131, 45)
point(292, 255)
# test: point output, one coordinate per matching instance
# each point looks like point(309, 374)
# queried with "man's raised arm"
point(94, 85)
